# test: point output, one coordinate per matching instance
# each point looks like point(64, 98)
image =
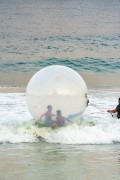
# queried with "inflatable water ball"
point(56, 90)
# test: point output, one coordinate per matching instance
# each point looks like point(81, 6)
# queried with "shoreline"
point(17, 83)
point(8, 89)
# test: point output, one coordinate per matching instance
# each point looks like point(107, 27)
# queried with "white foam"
point(95, 127)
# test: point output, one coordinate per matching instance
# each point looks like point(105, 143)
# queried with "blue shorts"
point(48, 123)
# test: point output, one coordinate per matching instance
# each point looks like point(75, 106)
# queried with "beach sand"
point(17, 82)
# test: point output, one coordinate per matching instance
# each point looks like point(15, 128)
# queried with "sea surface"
point(83, 35)
point(87, 149)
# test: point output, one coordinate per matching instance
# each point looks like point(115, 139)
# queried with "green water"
point(41, 161)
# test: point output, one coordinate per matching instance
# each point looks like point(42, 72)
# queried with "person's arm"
point(53, 114)
point(41, 116)
point(67, 120)
point(53, 120)
point(112, 111)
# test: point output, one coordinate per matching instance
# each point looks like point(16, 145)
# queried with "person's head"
point(58, 112)
point(49, 107)
point(119, 100)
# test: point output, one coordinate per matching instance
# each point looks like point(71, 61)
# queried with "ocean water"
point(40, 161)
point(96, 126)
point(83, 35)
point(88, 149)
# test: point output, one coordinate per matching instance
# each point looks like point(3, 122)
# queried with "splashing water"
point(95, 127)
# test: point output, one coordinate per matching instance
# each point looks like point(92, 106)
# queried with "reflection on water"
point(53, 161)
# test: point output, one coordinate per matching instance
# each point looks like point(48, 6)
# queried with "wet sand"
point(40, 161)
point(17, 82)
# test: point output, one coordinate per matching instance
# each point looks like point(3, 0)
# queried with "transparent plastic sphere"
point(58, 88)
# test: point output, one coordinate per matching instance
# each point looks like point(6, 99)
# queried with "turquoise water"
point(80, 65)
